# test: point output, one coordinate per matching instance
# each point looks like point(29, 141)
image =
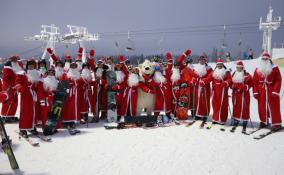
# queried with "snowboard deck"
point(55, 114)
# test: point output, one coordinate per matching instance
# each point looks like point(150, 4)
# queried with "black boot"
point(245, 123)
point(235, 125)
point(23, 133)
point(262, 125)
point(34, 131)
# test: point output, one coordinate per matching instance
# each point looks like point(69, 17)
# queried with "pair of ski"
point(201, 126)
point(6, 146)
point(261, 136)
point(32, 141)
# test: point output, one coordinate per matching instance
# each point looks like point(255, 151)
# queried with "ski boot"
point(23, 134)
point(276, 128)
point(235, 125)
point(244, 131)
point(34, 131)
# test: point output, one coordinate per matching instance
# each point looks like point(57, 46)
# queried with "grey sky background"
point(19, 18)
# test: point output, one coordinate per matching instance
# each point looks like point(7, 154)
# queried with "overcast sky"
point(20, 18)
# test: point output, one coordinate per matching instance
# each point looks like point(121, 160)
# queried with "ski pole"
point(206, 103)
point(193, 102)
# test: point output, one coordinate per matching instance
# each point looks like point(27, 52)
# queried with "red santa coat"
point(120, 87)
point(28, 102)
point(129, 98)
point(71, 109)
point(241, 98)
point(163, 96)
point(201, 101)
point(267, 89)
point(220, 97)
point(99, 96)
point(9, 108)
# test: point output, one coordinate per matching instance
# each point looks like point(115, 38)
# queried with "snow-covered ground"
point(171, 150)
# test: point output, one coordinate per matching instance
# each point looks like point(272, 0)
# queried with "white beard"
point(219, 74)
point(79, 65)
point(159, 78)
point(59, 71)
point(66, 66)
point(238, 77)
point(16, 67)
point(200, 70)
point(42, 71)
point(99, 72)
point(265, 67)
point(74, 74)
point(119, 76)
point(86, 74)
point(175, 75)
point(50, 83)
point(33, 76)
point(133, 80)
point(190, 66)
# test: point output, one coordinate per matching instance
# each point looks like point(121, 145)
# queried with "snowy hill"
point(172, 150)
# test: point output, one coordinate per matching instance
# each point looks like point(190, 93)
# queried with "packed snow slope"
point(172, 150)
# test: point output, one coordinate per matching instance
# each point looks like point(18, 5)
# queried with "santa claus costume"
point(163, 93)
point(87, 100)
point(71, 108)
point(9, 71)
point(241, 84)
point(121, 83)
point(221, 81)
point(186, 86)
point(201, 89)
point(267, 84)
point(130, 94)
point(28, 99)
point(35, 79)
point(45, 95)
point(175, 80)
point(99, 92)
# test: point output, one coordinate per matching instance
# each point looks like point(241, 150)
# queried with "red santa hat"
point(79, 54)
point(14, 58)
point(240, 64)
point(67, 57)
point(121, 58)
point(219, 61)
point(265, 56)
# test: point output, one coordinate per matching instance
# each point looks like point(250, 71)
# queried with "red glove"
point(169, 57)
point(92, 53)
point(187, 53)
point(224, 84)
point(193, 81)
point(80, 50)
point(121, 59)
point(151, 91)
point(49, 50)
point(274, 94)
point(201, 83)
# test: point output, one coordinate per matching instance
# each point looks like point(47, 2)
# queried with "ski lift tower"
point(48, 34)
point(267, 27)
point(79, 34)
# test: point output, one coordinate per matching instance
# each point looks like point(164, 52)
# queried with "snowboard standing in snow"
point(6, 146)
point(183, 102)
point(55, 114)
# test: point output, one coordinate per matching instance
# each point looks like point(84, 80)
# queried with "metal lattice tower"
point(267, 27)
